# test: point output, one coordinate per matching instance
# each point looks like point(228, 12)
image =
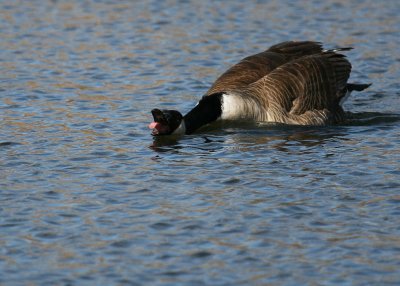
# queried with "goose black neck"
point(206, 111)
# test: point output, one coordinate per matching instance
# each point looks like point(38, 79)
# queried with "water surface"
point(89, 198)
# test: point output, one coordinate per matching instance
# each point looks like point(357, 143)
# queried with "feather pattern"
point(294, 82)
point(254, 67)
point(291, 83)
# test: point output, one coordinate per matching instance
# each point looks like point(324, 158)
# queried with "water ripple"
point(86, 191)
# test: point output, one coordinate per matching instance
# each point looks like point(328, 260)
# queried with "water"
point(88, 198)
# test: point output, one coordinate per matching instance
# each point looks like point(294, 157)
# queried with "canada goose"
point(292, 83)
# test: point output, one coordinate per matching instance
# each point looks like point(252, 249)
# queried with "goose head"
point(165, 121)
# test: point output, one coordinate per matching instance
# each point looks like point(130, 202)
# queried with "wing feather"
point(255, 67)
point(314, 82)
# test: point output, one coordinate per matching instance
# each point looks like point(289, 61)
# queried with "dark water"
point(87, 197)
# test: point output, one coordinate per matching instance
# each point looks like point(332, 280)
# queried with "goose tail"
point(349, 88)
point(357, 86)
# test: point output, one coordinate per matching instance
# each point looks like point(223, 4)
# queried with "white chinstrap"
point(181, 128)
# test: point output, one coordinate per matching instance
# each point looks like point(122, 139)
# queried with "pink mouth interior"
point(154, 125)
point(159, 127)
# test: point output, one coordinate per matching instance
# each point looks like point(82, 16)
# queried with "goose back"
point(255, 67)
point(310, 86)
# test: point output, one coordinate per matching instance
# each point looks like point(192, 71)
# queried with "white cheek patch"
point(181, 129)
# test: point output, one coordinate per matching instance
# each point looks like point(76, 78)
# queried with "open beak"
point(160, 124)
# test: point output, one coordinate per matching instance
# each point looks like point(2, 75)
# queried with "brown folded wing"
point(255, 67)
point(310, 83)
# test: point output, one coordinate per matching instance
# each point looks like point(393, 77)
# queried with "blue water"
point(87, 197)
